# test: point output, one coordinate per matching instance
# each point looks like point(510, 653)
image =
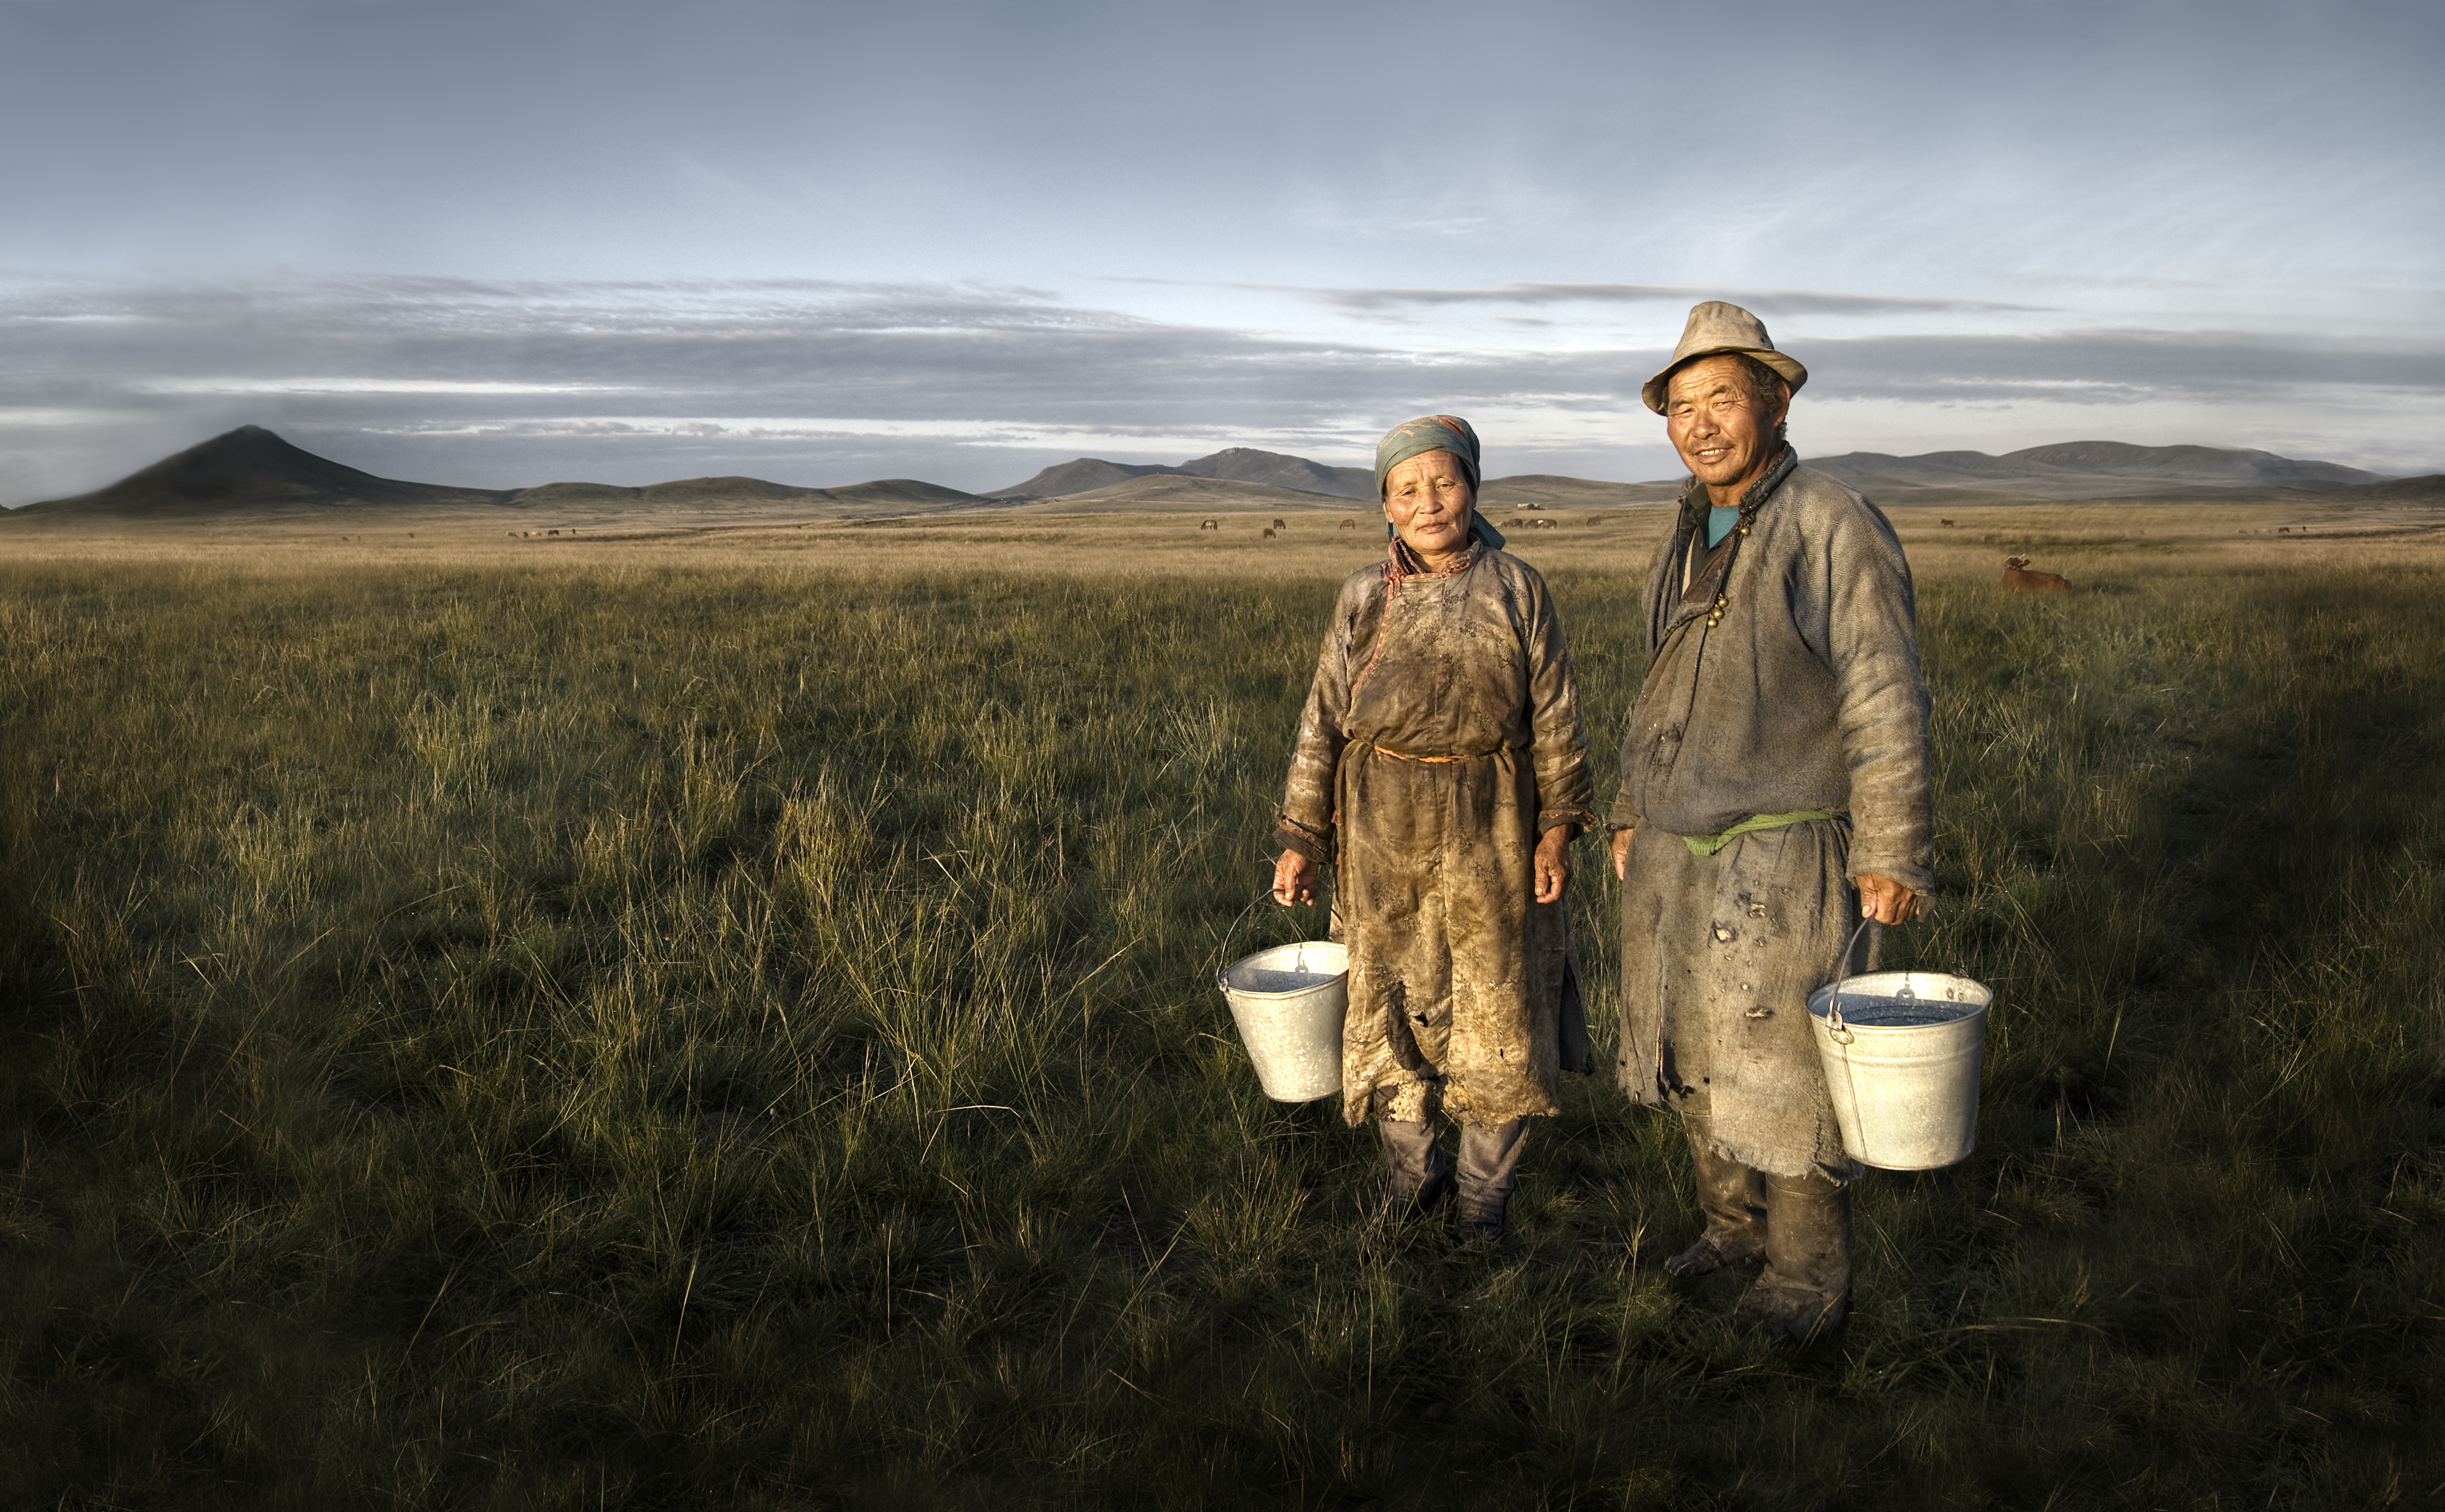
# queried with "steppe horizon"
point(2177, 466)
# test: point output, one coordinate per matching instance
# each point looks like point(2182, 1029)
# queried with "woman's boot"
point(1489, 1157)
point(1416, 1177)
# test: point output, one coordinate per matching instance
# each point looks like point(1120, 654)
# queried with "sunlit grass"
point(649, 1034)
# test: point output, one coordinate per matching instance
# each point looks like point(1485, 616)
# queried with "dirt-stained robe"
point(1441, 737)
point(1782, 677)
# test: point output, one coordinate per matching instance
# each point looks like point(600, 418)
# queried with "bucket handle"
point(1222, 960)
point(1834, 1024)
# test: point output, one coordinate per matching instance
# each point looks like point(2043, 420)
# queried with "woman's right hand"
point(1621, 853)
point(1293, 879)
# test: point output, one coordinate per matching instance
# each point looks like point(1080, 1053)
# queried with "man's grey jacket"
point(1791, 682)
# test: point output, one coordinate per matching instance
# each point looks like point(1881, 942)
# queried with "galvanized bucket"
point(1902, 1052)
point(1289, 1002)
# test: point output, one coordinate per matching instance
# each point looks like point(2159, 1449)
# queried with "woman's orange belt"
point(1436, 760)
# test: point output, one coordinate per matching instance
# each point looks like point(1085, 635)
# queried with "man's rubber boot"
point(1806, 1293)
point(1733, 1197)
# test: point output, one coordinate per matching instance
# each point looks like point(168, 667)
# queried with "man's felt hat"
point(1714, 329)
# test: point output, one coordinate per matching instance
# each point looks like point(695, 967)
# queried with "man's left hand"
point(1888, 902)
point(1554, 862)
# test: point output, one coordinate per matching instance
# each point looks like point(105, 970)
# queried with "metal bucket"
point(1902, 1051)
point(1289, 1002)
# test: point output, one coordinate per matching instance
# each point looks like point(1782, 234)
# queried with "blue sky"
point(509, 242)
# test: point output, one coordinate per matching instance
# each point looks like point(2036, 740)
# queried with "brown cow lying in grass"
point(2019, 579)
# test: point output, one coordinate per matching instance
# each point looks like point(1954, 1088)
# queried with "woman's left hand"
point(1554, 862)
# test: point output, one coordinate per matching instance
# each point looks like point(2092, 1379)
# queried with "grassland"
point(722, 1017)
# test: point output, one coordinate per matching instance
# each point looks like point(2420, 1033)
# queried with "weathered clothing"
point(1788, 681)
point(1486, 1170)
point(1440, 738)
point(1719, 955)
point(1782, 677)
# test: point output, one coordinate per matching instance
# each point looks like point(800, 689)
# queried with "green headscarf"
point(1434, 433)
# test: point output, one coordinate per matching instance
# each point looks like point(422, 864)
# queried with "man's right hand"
point(1621, 853)
point(1293, 879)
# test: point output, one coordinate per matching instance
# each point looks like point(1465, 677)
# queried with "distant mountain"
point(902, 492)
point(1237, 464)
point(1172, 492)
point(733, 492)
point(1084, 476)
point(2089, 470)
point(1243, 464)
point(249, 468)
point(2427, 485)
point(2198, 464)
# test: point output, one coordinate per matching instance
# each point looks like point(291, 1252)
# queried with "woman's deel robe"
point(1440, 738)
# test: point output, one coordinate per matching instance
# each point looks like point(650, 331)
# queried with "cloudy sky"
point(511, 241)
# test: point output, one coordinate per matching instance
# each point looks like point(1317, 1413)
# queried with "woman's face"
point(1427, 499)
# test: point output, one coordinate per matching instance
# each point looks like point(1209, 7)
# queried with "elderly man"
point(1774, 790)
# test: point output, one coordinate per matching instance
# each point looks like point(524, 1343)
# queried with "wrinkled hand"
point(1621, 853)
point(1293, 879)
point(1888, 902)
point(1554, 862)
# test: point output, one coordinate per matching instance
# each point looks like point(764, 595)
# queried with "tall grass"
point(699, 1037)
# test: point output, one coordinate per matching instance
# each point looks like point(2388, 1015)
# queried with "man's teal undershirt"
point(1720, 520)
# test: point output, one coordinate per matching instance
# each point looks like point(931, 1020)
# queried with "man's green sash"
point(1706, 845)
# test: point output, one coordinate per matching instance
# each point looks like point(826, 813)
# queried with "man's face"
point(1724, 433)
point(1428, 499)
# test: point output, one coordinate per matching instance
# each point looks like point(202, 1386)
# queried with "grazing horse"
point(1269, 532)
point(1942, 521)
point(1349, 525)
point(1279, 526)
point(2019, 579)
point(1210, 525)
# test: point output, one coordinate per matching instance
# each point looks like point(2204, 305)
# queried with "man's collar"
point(1773, 479)
point(1694, 498)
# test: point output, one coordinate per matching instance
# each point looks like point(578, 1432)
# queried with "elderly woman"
point(1440, 766)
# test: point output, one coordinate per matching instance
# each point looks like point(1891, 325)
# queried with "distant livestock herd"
point(2017, 578)
point(1349, 523)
